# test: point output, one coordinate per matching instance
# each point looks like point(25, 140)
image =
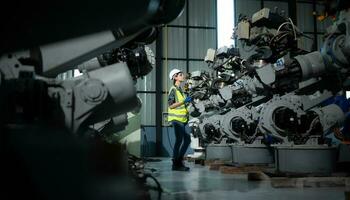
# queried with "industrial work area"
point(175, 99)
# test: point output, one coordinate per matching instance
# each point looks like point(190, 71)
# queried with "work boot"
point(178, 166)
point(182, 164)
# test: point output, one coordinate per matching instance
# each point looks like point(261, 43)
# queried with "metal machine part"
point(199, 82)
point(334, 54)
point(85, 100)
point(210, 55)
point(101, 93)
point(292, 120)
point(329, 116)
point(240, 124)
point(62, 56)
point(141, 59)
point(268, 113)
point(311, 65)
point(267, 35)
point(206, 127)
point(209, 129)
point(90, 105)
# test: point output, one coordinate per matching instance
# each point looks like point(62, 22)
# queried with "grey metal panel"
point(174, 42)
point(199, 41)
point(252, 155)
point(246, 7)
point(218, 151)
point(279, 4)
point(148, 82)
point(306, 43)
point(198, 66)
point(181, 20)
point(202, 13)
point(305, 21)
point(167, 67)
point(306, 160)
point(322, 25)
point(148, 109)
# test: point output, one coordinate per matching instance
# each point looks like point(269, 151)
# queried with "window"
point(225, 22)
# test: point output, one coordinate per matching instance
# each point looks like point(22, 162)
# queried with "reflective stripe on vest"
point(180, 113)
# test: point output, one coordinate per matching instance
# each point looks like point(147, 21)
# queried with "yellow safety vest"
point(180, 113)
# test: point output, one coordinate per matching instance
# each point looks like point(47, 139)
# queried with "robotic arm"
point(30, 92)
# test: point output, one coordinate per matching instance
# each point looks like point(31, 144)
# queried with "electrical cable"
point(226, 61)
point(279, 28)
point(159, 187)
point(295, 34)
point(136, 166)
point(312, 124)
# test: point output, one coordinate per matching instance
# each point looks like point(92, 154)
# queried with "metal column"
point(292, 10)
point(159, 79)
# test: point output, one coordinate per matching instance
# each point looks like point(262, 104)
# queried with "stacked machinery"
point(270, 96)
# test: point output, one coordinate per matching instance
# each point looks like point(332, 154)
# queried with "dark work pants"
point(183, 137)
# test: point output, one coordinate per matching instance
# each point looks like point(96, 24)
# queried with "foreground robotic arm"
point(99, 94)
point(39, 113)
point(30, 92)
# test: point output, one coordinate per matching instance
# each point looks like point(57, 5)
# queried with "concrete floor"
point(202, 183)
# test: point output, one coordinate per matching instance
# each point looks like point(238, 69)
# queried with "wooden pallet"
point(242, 169)
point(264, 173)
point(214, 164)
point(307, 182)
point(254, 173)
point(199, 161)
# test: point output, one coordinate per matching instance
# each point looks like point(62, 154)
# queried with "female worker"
point(178, 116)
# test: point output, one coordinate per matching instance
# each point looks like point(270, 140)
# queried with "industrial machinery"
point(52, 143)
point(271, 94)
point(238, 79)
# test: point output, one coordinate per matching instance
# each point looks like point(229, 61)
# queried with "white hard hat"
point(173, 72)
